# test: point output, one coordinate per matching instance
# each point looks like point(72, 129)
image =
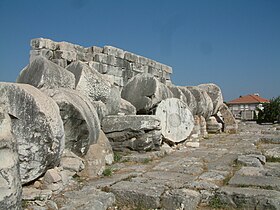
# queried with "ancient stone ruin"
point(72, 107)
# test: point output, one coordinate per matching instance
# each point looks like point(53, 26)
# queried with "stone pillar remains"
point(10, 184)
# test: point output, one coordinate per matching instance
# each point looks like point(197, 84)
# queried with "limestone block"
point(31, 194)
point(144, 92)
point(153, 71)
point(196, 132)
point(48, 54)
point(127, 108)
point(118, 81)
point(137, 194)
point(66, 46)
point(67, 55)
point(151, 63)
point(166, 68)
point(88, 198)
point(61, 62)
point(230, 123)
point(98, 155)
point(85, 57)
point(249, 198)
point(204, 103)
point(10, 184)
point(101, 58)
point(100, 108)
point(94, 49)
point(203, 127)
point(137, 67)
point(92, 84)
point(180, 199)
point(71, 162)
point(215, 93)
point(40, 43)
point(213, 126)
point(131, 57)
point(113, 70)
point(133, 132)
point(177, 121)
point(116, 52)
point(52, 176)
point(37, 127)
point(191, 101)
point(142, 60)
point(158, 66)
point(45, 74)
point(80, 120)
point(100, 67)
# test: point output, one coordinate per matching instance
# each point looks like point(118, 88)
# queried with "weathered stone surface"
point(230, 124)
point(213, 126)
point(178, 93)
point(251, 171)
point(214, 176)
point(100, 108)
point(98, 155)
point(273, 153)
point(203, 127)
point(251, 160)
point(127, 108)
point(41, 43)
point(48, 54)
point(191, 101)
point(248, 198)
point(215, 93)
point(110, 50)
point(29, 194)
point(37, 126)
point(137, 194)
point(176, 119)
point(88, 198)
point(42, 73)
point(265, 182)
point(184, 199)
point(204, 103)
point(144, 91)
point(134, 132)
point(10, 184)
point(80, 120)
point(70, 161)
point(52, 176)
point(92, 84)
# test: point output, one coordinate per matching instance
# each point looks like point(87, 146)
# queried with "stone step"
point(264, 182)
point(248, 198)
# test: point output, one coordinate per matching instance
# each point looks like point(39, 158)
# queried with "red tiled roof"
point(248, 99)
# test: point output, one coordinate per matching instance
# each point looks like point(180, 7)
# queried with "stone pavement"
point(227, 171)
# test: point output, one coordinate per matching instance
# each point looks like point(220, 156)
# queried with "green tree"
point(271, 112)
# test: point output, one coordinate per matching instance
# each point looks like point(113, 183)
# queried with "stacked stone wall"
point(119, 65)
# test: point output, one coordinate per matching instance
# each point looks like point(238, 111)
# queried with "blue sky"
point(233, 43)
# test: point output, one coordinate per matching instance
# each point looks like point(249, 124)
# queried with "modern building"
point(245, 107)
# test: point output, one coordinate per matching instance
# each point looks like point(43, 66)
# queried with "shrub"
point(270, 112)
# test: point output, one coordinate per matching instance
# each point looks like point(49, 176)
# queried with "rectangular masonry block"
point(113, 70)
point(94, 49)
point(41, 43)
point(166, 68)
point(142, 60)
point(68, 55)
point(131, 57)
point(60, 62)
point(110, 50)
